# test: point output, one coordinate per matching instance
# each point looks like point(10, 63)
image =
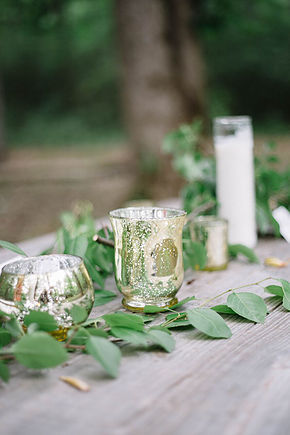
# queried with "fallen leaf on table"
point(275, 262)
point(76, 383)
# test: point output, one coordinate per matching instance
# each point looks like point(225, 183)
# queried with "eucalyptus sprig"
point(34, 344)
point(78, 236)
point(198, 171)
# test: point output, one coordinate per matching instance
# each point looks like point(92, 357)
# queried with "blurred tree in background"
point(163, 82)
point(60, 66)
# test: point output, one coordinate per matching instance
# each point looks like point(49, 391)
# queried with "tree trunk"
point(162, 74)
point(2, 145)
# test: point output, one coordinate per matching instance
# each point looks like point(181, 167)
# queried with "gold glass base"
point(60, 334)
point(137, 306)
point(215, 268)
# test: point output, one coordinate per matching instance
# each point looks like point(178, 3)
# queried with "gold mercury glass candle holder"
point(148, 255)
point(212, 232)
point(50, 283)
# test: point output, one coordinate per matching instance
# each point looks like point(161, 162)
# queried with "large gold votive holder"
point(148, 255)
point(50, 283)
point(212, 232)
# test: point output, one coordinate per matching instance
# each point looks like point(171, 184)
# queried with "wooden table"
point(239, 386)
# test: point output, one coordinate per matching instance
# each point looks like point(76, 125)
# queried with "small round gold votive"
point(50, 283)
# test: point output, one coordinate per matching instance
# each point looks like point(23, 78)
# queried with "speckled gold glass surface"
point(212, 232)
point(51, 283)
point(148, 255)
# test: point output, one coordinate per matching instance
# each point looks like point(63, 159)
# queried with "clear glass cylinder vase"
point(148, 255)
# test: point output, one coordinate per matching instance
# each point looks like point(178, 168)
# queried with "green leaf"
point(148, 319)
point(5, 337)
point(223, 309)
point(175, 315)
point(182, 302)
point(47, 251)
point(94, 274)
point(33, 327)
point(195, 254)
point(125, 320)
point(286, 293)
point(98, 254)
point(12, 247)
point(3, 314)
point(4, 372)
point(80, 337)
point(79, 314)
point(102, 297)
point(98, 332)
point(152, 309)
point(265, 218)
point(13, 326)
point(106, 353)
point(179, 324)
point(77, 246)
point(161, 328)
point(235, 250)
point(93, 321)
point(130, 335)
point(39, 351)
point(64, 238)
point(45, 321)
point(274, 290)
point(162, 339)
point(248, 305)
point(209, 322)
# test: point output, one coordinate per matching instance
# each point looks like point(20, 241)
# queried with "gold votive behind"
point(212, 232)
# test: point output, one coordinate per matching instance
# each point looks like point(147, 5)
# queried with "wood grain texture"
point(238, 386)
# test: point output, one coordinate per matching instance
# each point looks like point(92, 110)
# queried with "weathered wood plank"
point(204, 387)
point(268, 404)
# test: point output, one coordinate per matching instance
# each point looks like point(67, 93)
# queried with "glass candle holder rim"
point(232, 120)
point(176, 213)
point(210, 220)
point(5, 269)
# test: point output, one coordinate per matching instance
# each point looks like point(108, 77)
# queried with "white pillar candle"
point(233, 140)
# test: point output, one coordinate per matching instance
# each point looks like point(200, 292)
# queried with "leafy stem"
point(178, 317)
point(75, 346)
point(233, 289)
point(97, 238)
point(183, 315)
point(75, 330)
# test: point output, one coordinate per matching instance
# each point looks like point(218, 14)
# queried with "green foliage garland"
point(36, 348)
point(34, 344)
